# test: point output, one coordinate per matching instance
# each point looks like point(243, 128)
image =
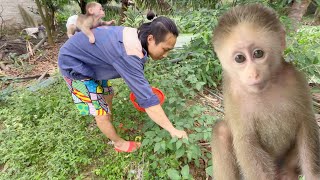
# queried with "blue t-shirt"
point(106, 59)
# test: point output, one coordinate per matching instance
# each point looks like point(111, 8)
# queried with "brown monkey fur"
point(92, 19)
point(269, 130)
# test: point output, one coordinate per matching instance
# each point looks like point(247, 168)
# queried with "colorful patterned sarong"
point(88, 95)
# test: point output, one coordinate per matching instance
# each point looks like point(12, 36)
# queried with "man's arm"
point(157, 114)
point(131, 70)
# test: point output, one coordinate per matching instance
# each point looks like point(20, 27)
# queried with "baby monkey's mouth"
point(258, 86)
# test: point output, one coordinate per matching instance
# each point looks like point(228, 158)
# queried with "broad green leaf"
point(209, 170)
point(186, 141)
point(156, 147)
point(189, 155)
point(199, 85)
point(174, 139)
point(180, 153)
point(145, 142)
point(179, 144)
point(173, 174)
point(163, 145)
point(169, 146)
point(185, 171)
point(157, 139)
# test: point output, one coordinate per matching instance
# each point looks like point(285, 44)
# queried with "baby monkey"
point(84, 23)
point(270, 131)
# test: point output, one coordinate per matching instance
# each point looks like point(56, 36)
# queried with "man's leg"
point(108, 99)
point(106, 127)
point(107, 93)
point(105, 122)
point(88, 98)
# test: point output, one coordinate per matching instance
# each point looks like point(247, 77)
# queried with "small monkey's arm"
point(107, 23)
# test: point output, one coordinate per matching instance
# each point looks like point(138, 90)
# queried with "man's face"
point(161, 50)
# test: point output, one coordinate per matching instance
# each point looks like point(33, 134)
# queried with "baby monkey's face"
point(98, 11)
point(250, 56)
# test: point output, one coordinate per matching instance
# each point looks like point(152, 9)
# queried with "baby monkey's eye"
point(240, 58)
point(258, 54)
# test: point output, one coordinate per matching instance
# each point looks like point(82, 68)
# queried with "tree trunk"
point(124, 7)
point(297, 10)
point(53, 25)
point(164, 6)
point(46, 22)
point(82, 4)
point(316, 19)
point(49, 20)
point(1, 23)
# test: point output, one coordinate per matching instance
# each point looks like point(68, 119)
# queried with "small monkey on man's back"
point(270, 131)
point(85, 22)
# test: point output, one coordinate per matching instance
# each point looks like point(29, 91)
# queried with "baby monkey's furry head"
point(249, 41)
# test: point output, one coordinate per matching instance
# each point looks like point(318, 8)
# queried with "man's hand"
point(178, 133)
point(157, 114)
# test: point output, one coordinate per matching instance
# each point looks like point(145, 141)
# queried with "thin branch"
point(214, 94)
point(35, 48)
point(204, 144)
point(23, 78)
point(216, 108)
point(5, 44)
point(2, 22)
point(42, 76)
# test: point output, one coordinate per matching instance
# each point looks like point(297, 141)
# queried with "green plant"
point(134, 18)
point(202, 20)
point(199, 55)
point(304, 51)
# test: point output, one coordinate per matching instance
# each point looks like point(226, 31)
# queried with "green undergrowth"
point(304, 50)
point(43, 136)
